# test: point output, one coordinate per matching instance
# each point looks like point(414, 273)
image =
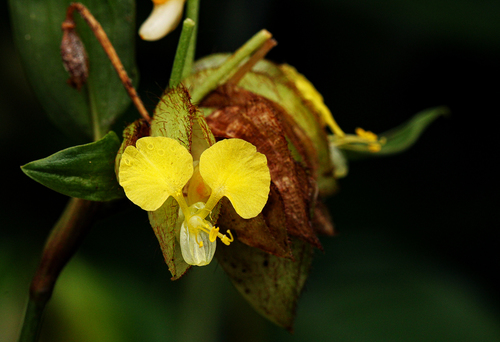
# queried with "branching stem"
point(69, 24)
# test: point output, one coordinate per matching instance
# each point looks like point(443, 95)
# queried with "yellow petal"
point(154, 170)
point(233, 168)
point(310, 93)
point(162, 20)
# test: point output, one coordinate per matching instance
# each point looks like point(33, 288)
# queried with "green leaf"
point(178, 69)
point(87, 113)
point(272, 285)
point(401, 138)
point(85, 171)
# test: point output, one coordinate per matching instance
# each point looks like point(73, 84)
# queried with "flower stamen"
point(227, 240)
point(197, 224)
point(213, 234)
point(361, 141)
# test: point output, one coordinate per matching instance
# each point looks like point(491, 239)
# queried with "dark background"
point(417, 255)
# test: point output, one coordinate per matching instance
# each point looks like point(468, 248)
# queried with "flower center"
point(196, 224)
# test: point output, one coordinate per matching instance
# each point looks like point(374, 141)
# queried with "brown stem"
point(257, 56)
point(69, 24)
point(64, 240)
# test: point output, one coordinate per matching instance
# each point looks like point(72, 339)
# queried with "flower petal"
point(162, 20)
point(155, 169)
point(310, 93)
point(192, 253)
point(233, 168)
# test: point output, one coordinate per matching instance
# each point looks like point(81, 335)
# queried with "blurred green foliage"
point(88, 113)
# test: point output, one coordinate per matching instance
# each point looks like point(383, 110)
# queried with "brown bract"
point(267, 231)
point(244, 115)
point(74, 56)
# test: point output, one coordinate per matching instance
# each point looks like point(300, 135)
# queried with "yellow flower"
point(159, 167)
point(163, 19)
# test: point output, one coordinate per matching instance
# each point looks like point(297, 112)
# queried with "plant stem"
point(192, 12)
point(221, 74)
point(94, 115)
point(69, 24)
point(257, 56)
point(65, 238)
point(182, 50)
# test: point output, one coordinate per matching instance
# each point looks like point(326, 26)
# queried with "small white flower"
point(163, 19)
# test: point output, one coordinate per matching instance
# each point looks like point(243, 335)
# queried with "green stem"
point(181, 53)
point(192, 10)
point(32, 321)
point(94, 115)
point(223, 72)
point(65, 238)
point(194, 305)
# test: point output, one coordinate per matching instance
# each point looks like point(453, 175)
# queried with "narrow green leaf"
point(192, 12)
point(182, 52)
point(230, 65)
point(84, 171)
point(37, 33)
point(401, 138)
point(272, 285)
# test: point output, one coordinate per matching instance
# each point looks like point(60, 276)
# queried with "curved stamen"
point(227, 240)
point(213, 234)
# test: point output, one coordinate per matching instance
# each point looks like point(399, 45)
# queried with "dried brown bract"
point(74, 56)
point(245, 115)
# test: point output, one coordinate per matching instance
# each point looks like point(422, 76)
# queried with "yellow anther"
point(227, 240)
point(200, 243)
point(374, 147)
point(213, 234)
point(368, 135)
point(361, 141)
